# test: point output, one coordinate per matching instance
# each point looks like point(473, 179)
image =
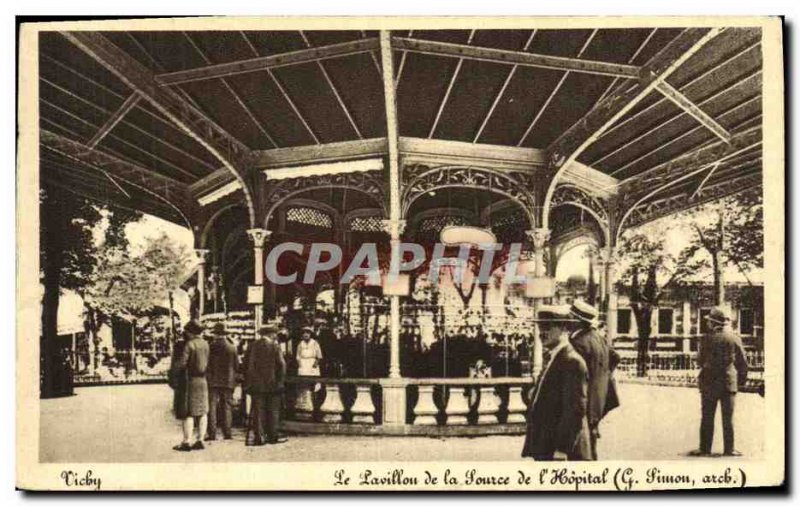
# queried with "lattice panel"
point(435, 224)
point(309, 216)
point(366, 224)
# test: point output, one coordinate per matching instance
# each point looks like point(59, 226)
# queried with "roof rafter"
point(283, 91)
point(607, 112)
point(115, 118)
point(449, 89)
point(334, 90)
point(268, 62)
point(169, 190)
point(233, 154)
point(693, 110)
point(233, 93)
point(509, 57)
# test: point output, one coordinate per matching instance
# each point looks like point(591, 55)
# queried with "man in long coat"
point(193, 363)
point(601, 359)
point(223, 364)
point(265, 371)
point(723, 367)
point(557, 424)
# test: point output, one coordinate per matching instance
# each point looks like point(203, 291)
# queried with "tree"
point(730, 230)
point(651, 270)
point(67, 258)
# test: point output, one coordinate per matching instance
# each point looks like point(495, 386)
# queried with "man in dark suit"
point(557, 424)
point(723, 367)
point(222, 366)
point(600, 360)
point(265, 371)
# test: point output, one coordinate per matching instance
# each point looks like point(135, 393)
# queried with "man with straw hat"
point(723, 367)
point(223, 364)
point(600, 360)
point(557, 424)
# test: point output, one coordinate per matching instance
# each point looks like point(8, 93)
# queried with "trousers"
point(709, 402)
point(265, 413)
point(221, 398)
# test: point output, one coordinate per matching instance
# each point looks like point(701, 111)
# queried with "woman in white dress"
point(309, 355)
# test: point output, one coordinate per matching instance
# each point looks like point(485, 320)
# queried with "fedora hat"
point(219, 329)
point(718, 315)
point(548, 314)
point(268, 329)
point(583, 311)
point(193, 327)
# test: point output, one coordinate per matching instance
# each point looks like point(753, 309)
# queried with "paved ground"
point(133, 423)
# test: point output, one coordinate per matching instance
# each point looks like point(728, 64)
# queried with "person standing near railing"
point(223, 364)
point(265, 372)
point(723, 368)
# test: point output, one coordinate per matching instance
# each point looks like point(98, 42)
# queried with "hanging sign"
point(255, 294)
point(540, 287)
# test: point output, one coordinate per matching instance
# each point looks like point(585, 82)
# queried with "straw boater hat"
point(584, 312)
point(308, 329)
point(549, 314)
point(219, 329)
point(718, 315)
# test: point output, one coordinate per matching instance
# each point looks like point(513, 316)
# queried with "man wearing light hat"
point(600, 360)
point(265, 371)
point(223, 364)
point(557, 425)
point(723, 367)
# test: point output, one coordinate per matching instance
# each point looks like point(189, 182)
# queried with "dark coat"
point(557, 413)
point(722, 361)
point(223, 364)
point(178, 381)
point(265, 369)
point(194, 361)
point(600, 360)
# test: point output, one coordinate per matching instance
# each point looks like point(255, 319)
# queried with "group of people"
point(576, 388)
point(204, 375)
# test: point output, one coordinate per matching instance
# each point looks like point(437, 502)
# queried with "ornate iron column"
point(258, 236)
point(202, 256)
point(539, 238)
point(610, 260)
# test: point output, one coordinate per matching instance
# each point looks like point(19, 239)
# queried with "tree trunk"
point(719, 264)
point(49, 337)
point(171, 340)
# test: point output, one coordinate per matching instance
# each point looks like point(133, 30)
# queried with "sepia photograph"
point(401, 254)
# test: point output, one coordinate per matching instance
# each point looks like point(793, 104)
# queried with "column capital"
point(539, 237)
point(202, 254)
point(394, 228)
point(258, 236)
point(608, 256)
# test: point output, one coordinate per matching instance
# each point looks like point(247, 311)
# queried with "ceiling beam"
point(450, 84)
point(617, 103)
point(681, 202)
point(233, 154)
point(115, 118)
point(283, 91)
point(334, 90)
point(502, 90)
point(268, 62)
point(693, 110)
point(520, 58)
point(704, 156)
point(554, 92)
point(172, 192)
point(233, 93)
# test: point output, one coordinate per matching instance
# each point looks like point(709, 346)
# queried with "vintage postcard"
point(401, 254)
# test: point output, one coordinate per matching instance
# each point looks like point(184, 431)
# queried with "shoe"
point(733, 453)
point(278, 440)
point(228, 437)
point(699, 453)
point(198, 445)
point(183, 447)
point(210, 438)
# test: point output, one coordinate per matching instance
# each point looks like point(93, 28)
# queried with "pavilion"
point(553, 138)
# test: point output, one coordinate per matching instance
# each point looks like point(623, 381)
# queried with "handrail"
point(411, 381)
